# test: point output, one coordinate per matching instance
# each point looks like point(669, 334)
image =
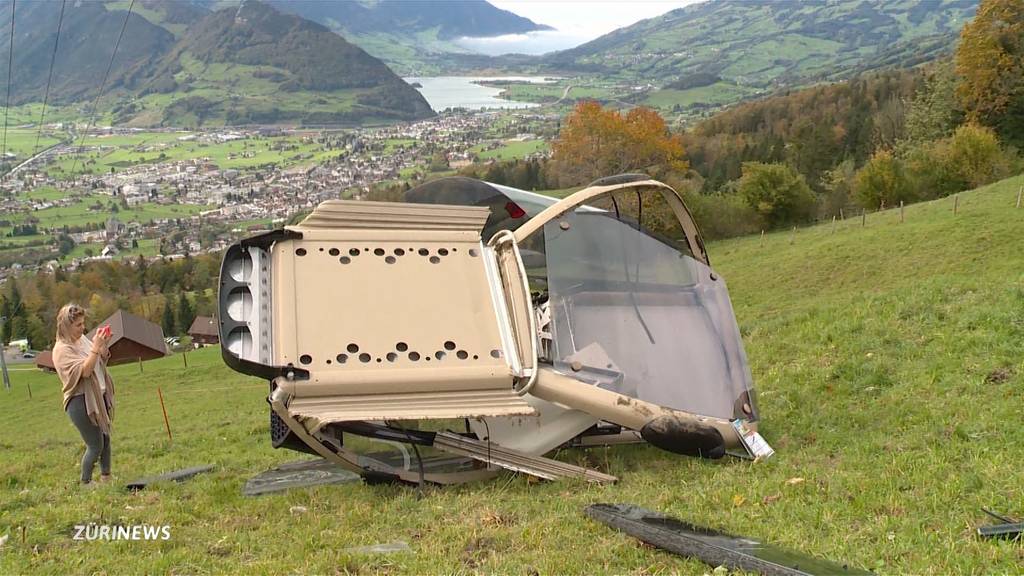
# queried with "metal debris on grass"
point(386, 548)
point(712, 547)
point(177, 476)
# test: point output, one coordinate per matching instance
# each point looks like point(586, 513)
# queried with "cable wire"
point(103, 85)
point(10, 65)
point(49, 78)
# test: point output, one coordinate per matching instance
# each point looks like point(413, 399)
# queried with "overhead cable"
point(103, 85)
point(10, 65)
point(49, 78)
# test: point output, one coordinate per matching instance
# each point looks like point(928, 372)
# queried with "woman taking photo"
point(88, 389)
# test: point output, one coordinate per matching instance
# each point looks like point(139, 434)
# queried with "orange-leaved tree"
point(990, 66)
point(595, 142)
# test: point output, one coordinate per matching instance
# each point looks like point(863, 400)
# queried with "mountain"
point(175, 16)
point(180, 64)
point(743, 47)
point(251, 64)
point(413, 38)
point(87, 35)
point(449, 18)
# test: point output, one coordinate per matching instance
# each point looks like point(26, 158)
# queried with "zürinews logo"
point(105, 532)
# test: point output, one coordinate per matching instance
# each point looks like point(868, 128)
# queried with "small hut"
point(133, 338)
point(44, 361)
point(204, 331)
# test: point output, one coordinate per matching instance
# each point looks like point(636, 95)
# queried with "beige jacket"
point(69, 359)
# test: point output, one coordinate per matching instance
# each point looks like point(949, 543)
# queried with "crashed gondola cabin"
point(530, 321)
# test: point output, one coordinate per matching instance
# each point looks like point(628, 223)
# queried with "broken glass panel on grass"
point(300, 474)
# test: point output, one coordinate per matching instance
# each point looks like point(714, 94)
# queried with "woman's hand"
point(99, 345)
point(99, 342)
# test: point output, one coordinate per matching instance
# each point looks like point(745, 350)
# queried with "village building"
point(44, 361)
point(204, 331)
point(133, 338)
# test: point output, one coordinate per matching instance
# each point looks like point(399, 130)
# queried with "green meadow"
point(510, 150)
point(147, 247)
point(101, 154)
point(544, 93)
point(83, 212)
point(717, 93)
point(23, 142)
point(890, 376)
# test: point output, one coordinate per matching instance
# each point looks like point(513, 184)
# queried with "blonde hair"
point(68, 315)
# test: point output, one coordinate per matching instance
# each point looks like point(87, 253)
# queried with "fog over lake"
point(534, 43)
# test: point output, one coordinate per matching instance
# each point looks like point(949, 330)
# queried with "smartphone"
point(104, 330)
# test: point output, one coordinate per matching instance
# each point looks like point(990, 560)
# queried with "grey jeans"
point(97, 444)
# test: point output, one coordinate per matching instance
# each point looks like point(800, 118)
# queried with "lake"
point(444, 92)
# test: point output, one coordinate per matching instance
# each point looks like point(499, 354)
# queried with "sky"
point(576, 21)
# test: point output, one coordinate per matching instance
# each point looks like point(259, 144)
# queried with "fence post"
point(167, 423)
point(956, 203)
point(762, 237)
point(140, 364)
point(901, 211)
point(792, 238)
point(184, 357)
point(3, 352)
point(841, 215)
point(863, 217)
point(1019, 194)
point(833, 223)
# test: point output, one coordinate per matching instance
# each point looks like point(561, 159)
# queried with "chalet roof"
point(127, 326)
point(204, 326)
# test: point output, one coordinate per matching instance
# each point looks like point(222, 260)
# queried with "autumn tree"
point(882, 182)
point(934, 111)
point(990, 64)
point(595, 142)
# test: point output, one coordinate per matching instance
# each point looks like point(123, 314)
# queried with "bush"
point(882, 182)
point(971, 157)
point(929, 176)
point(722, 215)
point(776, 192)
point(974, 156)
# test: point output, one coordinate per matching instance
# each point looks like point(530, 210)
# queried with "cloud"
point(589, 18)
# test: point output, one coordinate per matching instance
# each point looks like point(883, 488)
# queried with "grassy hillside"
point(890, 372)
point(413, 38)
point(760, 45)
point(88, 30)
